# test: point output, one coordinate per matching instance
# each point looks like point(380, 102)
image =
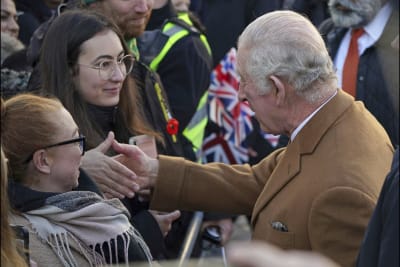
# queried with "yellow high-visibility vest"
point(194, 131)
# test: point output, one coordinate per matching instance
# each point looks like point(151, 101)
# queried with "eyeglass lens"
point(107, 68)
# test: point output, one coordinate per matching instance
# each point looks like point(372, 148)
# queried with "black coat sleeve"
point(380, 246)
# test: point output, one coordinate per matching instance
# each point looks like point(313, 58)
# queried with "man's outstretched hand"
point(113, 178)
point(145, 167)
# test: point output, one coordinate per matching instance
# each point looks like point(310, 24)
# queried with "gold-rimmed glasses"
point(107, 67)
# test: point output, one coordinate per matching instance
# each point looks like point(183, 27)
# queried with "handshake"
point(140, 156)
point(134, 168)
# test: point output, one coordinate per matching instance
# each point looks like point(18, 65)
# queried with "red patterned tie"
point(350, 67)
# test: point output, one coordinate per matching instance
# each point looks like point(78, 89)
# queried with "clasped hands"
point(130, 172)
point(122, 175)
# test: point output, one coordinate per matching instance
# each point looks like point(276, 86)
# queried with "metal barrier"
point(191, 237)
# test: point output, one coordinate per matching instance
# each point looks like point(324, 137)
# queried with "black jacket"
point(381, 241)
point(185, 70)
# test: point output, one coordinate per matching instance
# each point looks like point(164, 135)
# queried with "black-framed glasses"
point(107, 67)
point(82, 144)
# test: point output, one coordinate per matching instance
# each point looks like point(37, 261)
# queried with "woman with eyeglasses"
point(67, 228)
point(85, 63)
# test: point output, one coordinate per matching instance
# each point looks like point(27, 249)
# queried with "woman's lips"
point(112, 90)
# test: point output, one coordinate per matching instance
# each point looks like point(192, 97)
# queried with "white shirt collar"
point(375, 28)
point(304, 122)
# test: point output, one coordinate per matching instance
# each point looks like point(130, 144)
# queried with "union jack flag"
point(232, 116)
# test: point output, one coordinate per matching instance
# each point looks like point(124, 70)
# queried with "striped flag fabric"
point(232, 117)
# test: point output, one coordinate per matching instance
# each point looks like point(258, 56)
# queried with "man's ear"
point(280, 89)
point(41, 161)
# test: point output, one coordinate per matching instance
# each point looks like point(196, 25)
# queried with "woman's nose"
point(118, 75)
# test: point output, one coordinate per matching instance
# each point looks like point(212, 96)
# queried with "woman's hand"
point(113, 178)
point(165, 219)
point(145, 167)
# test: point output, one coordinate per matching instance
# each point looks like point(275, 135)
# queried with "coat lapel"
point(305, 143)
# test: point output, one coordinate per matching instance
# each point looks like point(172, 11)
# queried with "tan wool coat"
point(323, 186)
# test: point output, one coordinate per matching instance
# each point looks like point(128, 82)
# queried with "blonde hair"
point(9, 254)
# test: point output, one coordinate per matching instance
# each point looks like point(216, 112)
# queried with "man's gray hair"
point(287, 45)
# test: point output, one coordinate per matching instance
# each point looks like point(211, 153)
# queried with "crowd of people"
point(84, 80)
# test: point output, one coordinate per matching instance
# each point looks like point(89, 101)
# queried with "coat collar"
point(305, 143)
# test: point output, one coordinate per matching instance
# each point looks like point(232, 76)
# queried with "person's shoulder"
point(194, 43)
point(185, 22)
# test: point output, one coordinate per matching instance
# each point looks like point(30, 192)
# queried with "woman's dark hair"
point(58, 66)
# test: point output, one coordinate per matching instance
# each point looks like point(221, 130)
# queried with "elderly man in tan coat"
point(316, 194)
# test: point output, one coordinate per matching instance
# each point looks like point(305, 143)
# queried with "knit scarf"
point(89, 220)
